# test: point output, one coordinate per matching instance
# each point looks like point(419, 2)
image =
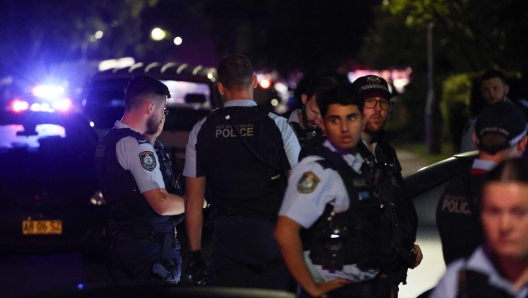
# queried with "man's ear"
point(521, 146)
point(255, 81)
point(506, 89)
point(475, 141)
point(150, 108)
point(304, 98)
point(221, 88)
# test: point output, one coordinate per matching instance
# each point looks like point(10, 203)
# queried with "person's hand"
point(419, 255)
point(196, 269)
point(324, 287)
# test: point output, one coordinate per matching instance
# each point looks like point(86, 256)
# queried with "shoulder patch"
point(307, 183)
point(148, 160)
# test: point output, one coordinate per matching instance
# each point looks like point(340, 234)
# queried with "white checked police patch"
point(307, 183)
point(148, 160)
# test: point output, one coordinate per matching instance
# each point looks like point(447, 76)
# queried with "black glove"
point(196, 269)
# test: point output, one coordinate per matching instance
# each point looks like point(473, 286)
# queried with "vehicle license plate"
point(39, 227)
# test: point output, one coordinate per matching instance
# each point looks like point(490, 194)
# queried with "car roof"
point(162, 71)
point(435, 174)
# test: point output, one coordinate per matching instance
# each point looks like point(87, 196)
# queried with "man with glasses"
point(144, 245)
point(389, 182)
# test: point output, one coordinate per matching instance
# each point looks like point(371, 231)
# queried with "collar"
point(119, 124)
point(294, 117)
point(480, 261)
point(354, 161)
point(240, 103)
point(481, 166)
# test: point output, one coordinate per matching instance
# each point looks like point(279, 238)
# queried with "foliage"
point(479, 34)
point(420, 150)
point(55, 31)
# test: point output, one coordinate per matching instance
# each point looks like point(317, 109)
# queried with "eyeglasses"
point(165, 111)
point(370, 103)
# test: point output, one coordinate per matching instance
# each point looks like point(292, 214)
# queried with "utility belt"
point(269, 265)
point(164, 267)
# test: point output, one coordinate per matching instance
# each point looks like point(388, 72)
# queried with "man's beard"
point(305, 119)
point(374, 127)
point(152, 125)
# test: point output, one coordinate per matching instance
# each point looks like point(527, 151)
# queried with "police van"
point(193, 95)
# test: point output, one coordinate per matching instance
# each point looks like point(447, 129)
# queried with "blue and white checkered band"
point(373, 86)
point(518, 138)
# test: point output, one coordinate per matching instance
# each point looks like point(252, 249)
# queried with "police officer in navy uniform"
point(305, 121)
point(375, 145)
point(353, 230)
point(500, 134)
point(144, 246)
point(244, 155)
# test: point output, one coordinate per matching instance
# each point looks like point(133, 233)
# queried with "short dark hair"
point(319, 85)
point(235, 72)
point(491, 74)
point(343, 94)
point(511, 170)
point(143, 85)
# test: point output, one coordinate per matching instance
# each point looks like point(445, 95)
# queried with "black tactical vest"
point(303, 135)
point(237, 178)
point(127, 205)
point(369, 227)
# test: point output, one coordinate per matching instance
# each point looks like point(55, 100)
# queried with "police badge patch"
point(307, 183)
point(148, 160)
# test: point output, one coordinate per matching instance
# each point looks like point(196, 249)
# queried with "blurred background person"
point(305, 121)
point(498, 268)
point(500, 135)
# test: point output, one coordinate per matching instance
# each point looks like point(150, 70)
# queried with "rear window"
point(46, 153)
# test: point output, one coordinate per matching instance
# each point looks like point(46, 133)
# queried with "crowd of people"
point(312, 202)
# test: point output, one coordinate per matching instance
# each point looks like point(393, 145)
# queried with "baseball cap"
point(372, 84)
point(499, 126)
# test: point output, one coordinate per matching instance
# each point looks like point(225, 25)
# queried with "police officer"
point(144, 247)
point(498, 268)
point(352, 229)
point(375, 145)
point(244, 155)
point(500, 134)
point(305, 121)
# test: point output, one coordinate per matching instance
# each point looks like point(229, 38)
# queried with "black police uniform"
point(389, 184)
point(144, 246)
point(303, 134)
point(457, 215)
point(247, 192)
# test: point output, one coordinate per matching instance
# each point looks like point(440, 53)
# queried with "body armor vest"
point(127, 205)
point(368, 229)
point(303, 135)
point(235, 174)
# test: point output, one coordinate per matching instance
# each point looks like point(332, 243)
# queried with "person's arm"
point(194, 202)
point(287, 236)
point(289, 139)
point(163, 202)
